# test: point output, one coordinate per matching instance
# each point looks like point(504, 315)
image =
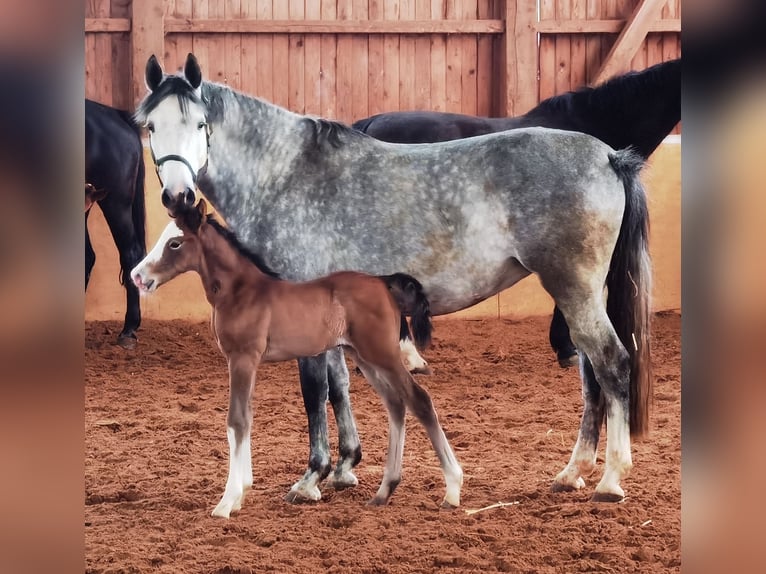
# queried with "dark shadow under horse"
point(635, 110)
point(114, 167)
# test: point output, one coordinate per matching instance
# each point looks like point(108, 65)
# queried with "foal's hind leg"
point(596, 339)
point(410, 356)
point(399, 390)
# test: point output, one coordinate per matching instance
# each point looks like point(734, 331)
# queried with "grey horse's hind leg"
point(583, 458)
point(349, 447)
point(314, 386)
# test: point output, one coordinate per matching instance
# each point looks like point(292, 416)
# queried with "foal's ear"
point(153, 74)
point(192, 71)
point(202, 208)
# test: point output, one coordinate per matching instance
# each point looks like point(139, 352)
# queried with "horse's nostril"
point(165, 198)
point(189, 196)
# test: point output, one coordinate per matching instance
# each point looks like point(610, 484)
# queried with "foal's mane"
point(614, 90)
point(232, 239)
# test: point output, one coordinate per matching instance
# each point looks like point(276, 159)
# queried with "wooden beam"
point(601, 26)
point(95, 25)
point(147, 37)
point(248, 26)
point(519, 91)
point(629, 40)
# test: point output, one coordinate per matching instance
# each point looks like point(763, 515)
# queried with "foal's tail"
point(409, 296)
point(629, 285)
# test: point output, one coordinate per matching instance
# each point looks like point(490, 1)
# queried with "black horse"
point(637, 110)
point(114, 167)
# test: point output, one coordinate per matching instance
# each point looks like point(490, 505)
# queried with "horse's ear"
point(153, 75)
point(202, 208)
point(192, 71)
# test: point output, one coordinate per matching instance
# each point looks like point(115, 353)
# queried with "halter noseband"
point(183, 160)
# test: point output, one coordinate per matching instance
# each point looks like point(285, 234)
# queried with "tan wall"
point(183, 298)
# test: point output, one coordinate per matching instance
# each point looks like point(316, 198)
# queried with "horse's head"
point(175, 116)
point(177, 250)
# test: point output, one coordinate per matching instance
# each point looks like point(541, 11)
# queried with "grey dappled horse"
point(467, 218)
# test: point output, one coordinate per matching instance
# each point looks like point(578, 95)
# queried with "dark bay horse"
point(259, 318)
point(114, 168)
point(469, 218)
point(636, 110)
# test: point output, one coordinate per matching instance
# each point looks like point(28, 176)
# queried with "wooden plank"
point(345, 68)
point(280, 58)
point(285, 26)
point(469, 86)
point(360, 63)
point(592, 42)
point(670, 41)
point(103, 48)
point(577, 65)
point(232, 72)
point(390, 97)
point(215, 71)
point(107, 25)
point(438, 61)
point(184, 43)
point(521, 60)
point(147, 38)
point(563, 43)
point(454, 55)
point(296, 71)
point(485, 64)
point(327, 81)
point(375, 63)
point(264, 54)
point(422, 97)
point(406, 58)
point(121, 58)
point(201, 40)
point(600, 25)
point(312, 62)
point(248, 44)
point(618, 59)
point(547, 54)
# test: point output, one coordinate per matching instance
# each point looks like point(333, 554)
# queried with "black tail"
point(629, 285)
point(409, 296)
point(362, 125)
point(139, 200)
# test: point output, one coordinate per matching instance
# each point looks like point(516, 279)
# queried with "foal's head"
point(179, 249)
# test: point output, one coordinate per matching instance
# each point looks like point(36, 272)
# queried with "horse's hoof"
point(341, 481)
point(127, 341)
point(447, 506)
point(565, 487)
point(377, 501)
point(606, 497)
point(570, 361)
point(303, 497)
point(425, 370)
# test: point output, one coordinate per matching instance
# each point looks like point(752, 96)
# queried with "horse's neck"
point(224, 267)
point(252, 145)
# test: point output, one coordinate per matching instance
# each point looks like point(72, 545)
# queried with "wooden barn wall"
point(348, 76)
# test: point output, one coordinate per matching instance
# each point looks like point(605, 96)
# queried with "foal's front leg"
point(242, 371)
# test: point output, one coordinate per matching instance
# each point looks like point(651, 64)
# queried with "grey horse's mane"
point(323, 131)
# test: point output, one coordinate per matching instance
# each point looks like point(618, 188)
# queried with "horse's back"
point(112, 145)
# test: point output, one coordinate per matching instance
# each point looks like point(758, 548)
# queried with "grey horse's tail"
point(411, 299)
point(629, 285)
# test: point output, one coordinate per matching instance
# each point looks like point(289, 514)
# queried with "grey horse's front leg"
point(314, 386)
point(349, 447)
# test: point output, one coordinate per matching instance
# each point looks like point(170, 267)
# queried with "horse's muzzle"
point(185, 199)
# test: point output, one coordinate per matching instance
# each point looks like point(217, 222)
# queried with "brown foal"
point(258, 317)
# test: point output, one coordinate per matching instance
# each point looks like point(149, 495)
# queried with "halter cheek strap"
point(175, 157)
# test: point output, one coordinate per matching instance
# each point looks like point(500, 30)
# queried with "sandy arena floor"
point(156, 464)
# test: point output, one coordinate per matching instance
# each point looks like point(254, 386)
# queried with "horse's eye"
point(201, 125)
point(173, 244)
point(150, 127)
